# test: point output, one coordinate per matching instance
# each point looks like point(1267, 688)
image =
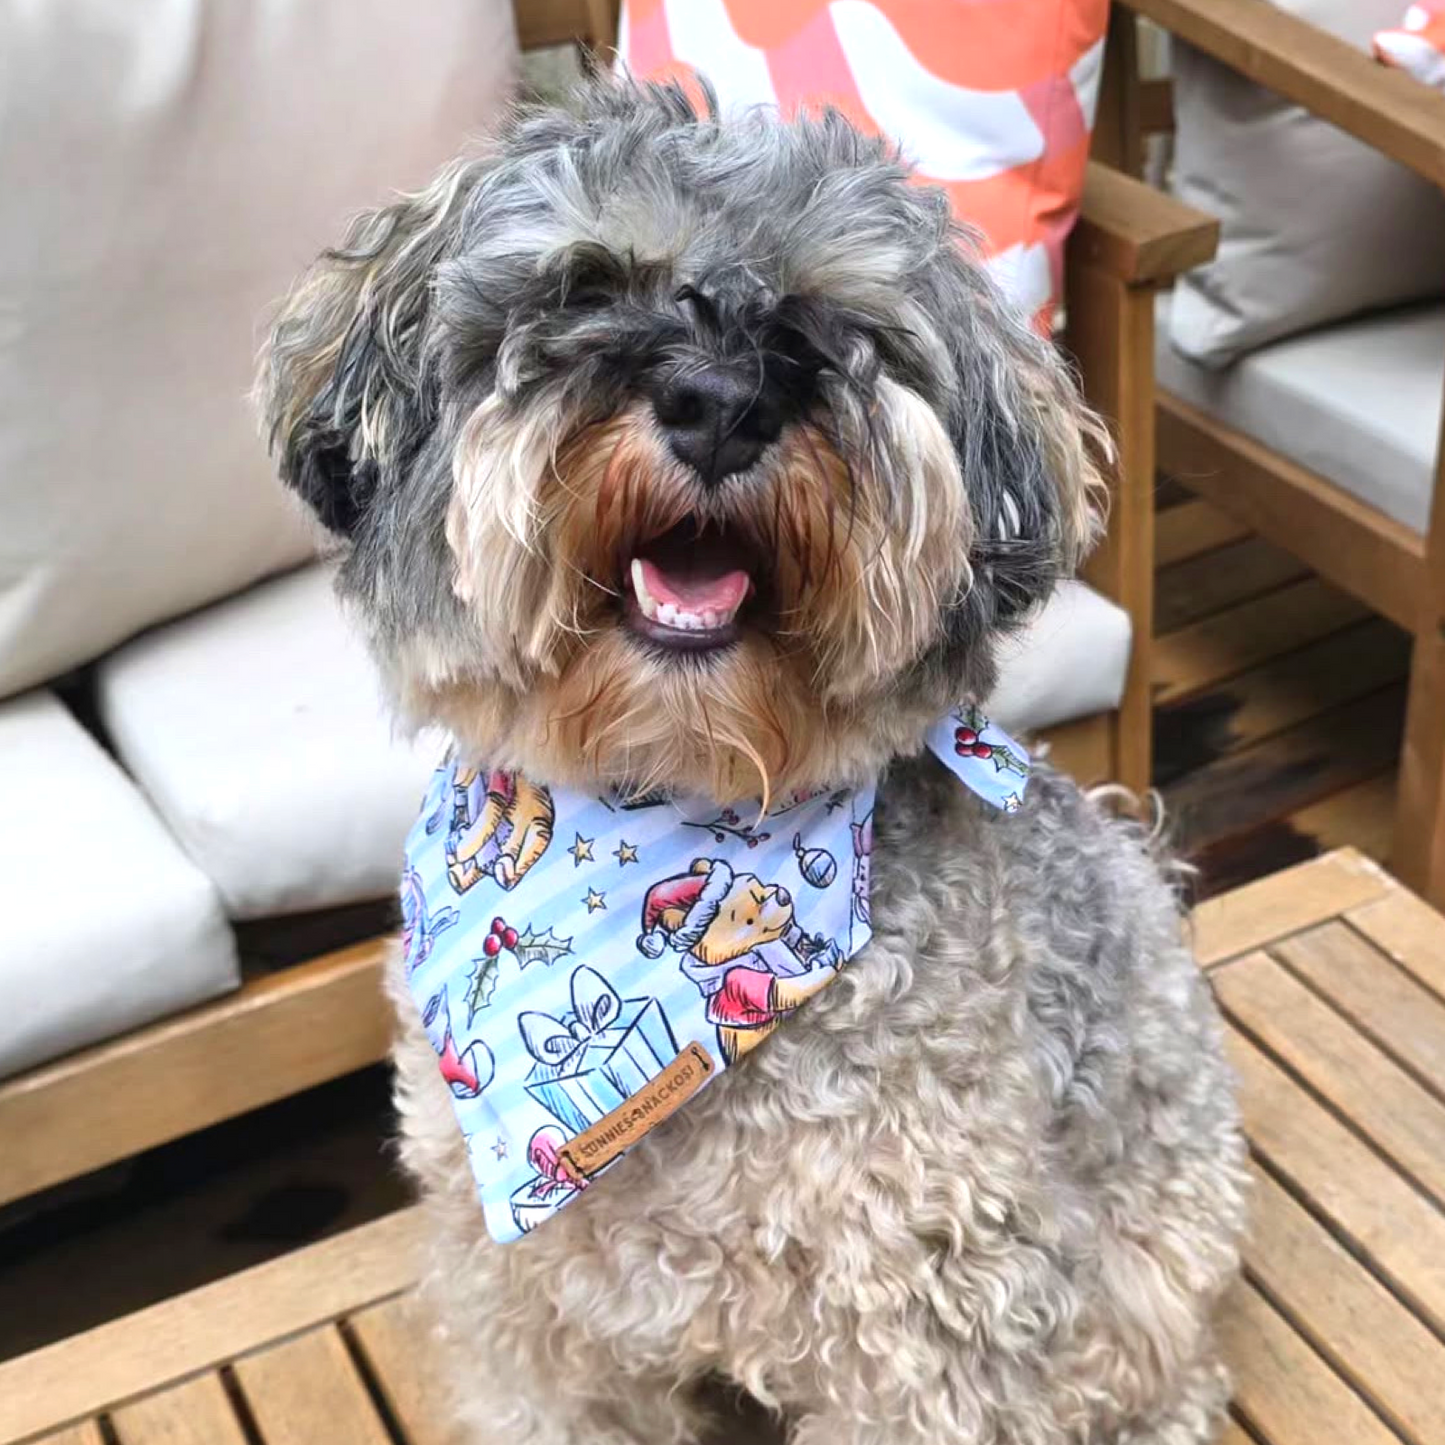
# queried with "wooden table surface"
point(1332, 978)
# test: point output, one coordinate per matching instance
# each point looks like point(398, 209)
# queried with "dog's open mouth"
point(685, 589)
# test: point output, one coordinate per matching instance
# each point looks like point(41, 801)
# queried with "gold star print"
point(581, 851)
point(500, 1148)
point(595, 900)
point(625, 852)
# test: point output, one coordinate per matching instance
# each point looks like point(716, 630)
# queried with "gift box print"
point(592, 1060)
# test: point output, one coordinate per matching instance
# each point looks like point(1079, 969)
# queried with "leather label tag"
point(618, 1131)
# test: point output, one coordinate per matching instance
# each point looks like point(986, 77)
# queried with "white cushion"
point(1316, 226)
point(106, 924)
point(257, 730)
point(1069, 662)
point(168, 170)
point(1359, 403)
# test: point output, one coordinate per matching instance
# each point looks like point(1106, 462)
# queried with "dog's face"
point(675, 452)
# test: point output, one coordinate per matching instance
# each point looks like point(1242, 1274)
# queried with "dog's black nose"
point(717, 420)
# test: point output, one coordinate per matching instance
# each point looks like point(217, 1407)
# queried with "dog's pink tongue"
point(695, 585)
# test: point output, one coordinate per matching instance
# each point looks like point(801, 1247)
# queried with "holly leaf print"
point(481, 987)
point(543, 947)
point(1005, 760)
point(970, 715)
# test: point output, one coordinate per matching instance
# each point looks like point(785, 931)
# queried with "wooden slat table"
point(1332, 979)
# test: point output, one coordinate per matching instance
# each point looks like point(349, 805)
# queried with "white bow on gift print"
point(596, 1006)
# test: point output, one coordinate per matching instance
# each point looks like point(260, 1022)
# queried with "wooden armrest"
point(1387, 109)
point(1137, 233)
point(558, 22)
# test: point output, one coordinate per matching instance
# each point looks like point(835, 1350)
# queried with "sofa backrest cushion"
point(1316, 226)
point(167, 170)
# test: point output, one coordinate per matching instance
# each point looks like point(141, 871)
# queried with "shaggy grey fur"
point(562, 268)
point(986, 1188)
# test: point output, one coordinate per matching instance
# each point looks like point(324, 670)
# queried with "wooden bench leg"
point(1419, 851)
point(1111, 333)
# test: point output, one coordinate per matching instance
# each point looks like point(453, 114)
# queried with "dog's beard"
point(850, 566)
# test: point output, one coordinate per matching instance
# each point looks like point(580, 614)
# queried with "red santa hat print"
point(678, 911)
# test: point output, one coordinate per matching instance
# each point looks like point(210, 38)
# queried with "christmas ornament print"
point(817, 865)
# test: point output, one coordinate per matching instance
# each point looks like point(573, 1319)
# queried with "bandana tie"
point(585, 964)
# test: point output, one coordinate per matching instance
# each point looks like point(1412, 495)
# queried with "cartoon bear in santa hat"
point(741, 945)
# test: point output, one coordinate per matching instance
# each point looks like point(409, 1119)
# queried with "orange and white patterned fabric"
point(991, 99)
point(1418, 46)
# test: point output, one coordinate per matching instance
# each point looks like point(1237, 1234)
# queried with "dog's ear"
point(1029, 449)
point(343, 387)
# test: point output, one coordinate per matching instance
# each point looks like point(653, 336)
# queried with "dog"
point(987, 1186)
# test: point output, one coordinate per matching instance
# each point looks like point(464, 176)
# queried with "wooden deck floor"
point(1332, 980)
point(1279, 702)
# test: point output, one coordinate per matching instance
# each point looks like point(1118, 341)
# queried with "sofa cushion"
point(168, 170)
point(1359, 403)
point(1316, 226)
point(1068, 662)
point(107, 924)
point(257, 730)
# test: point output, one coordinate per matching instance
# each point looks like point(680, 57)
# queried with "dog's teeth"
point(669, 614)
point(639, 587)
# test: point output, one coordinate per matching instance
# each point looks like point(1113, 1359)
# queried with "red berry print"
point(509, 937)
point(491, 945)
point(499, 926)
point(966, 736)
point(982, 750)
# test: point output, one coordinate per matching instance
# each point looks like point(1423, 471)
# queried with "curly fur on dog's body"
point(985, 1188)
point(982, 1189)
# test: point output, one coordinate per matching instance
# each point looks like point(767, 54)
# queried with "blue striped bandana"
point(585, 964)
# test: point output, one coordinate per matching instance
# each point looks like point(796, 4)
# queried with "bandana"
point(585, 964)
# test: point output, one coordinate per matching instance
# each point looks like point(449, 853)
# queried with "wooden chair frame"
point(1397, 571)
point(297, 1028)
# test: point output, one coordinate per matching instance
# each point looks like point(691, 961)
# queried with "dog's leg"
point(549, 1387)
point(1194, 1416)
point(840, 1429)
point(505, 1366)
point(1192, 1413)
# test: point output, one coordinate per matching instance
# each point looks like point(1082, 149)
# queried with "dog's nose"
point(717, 420)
